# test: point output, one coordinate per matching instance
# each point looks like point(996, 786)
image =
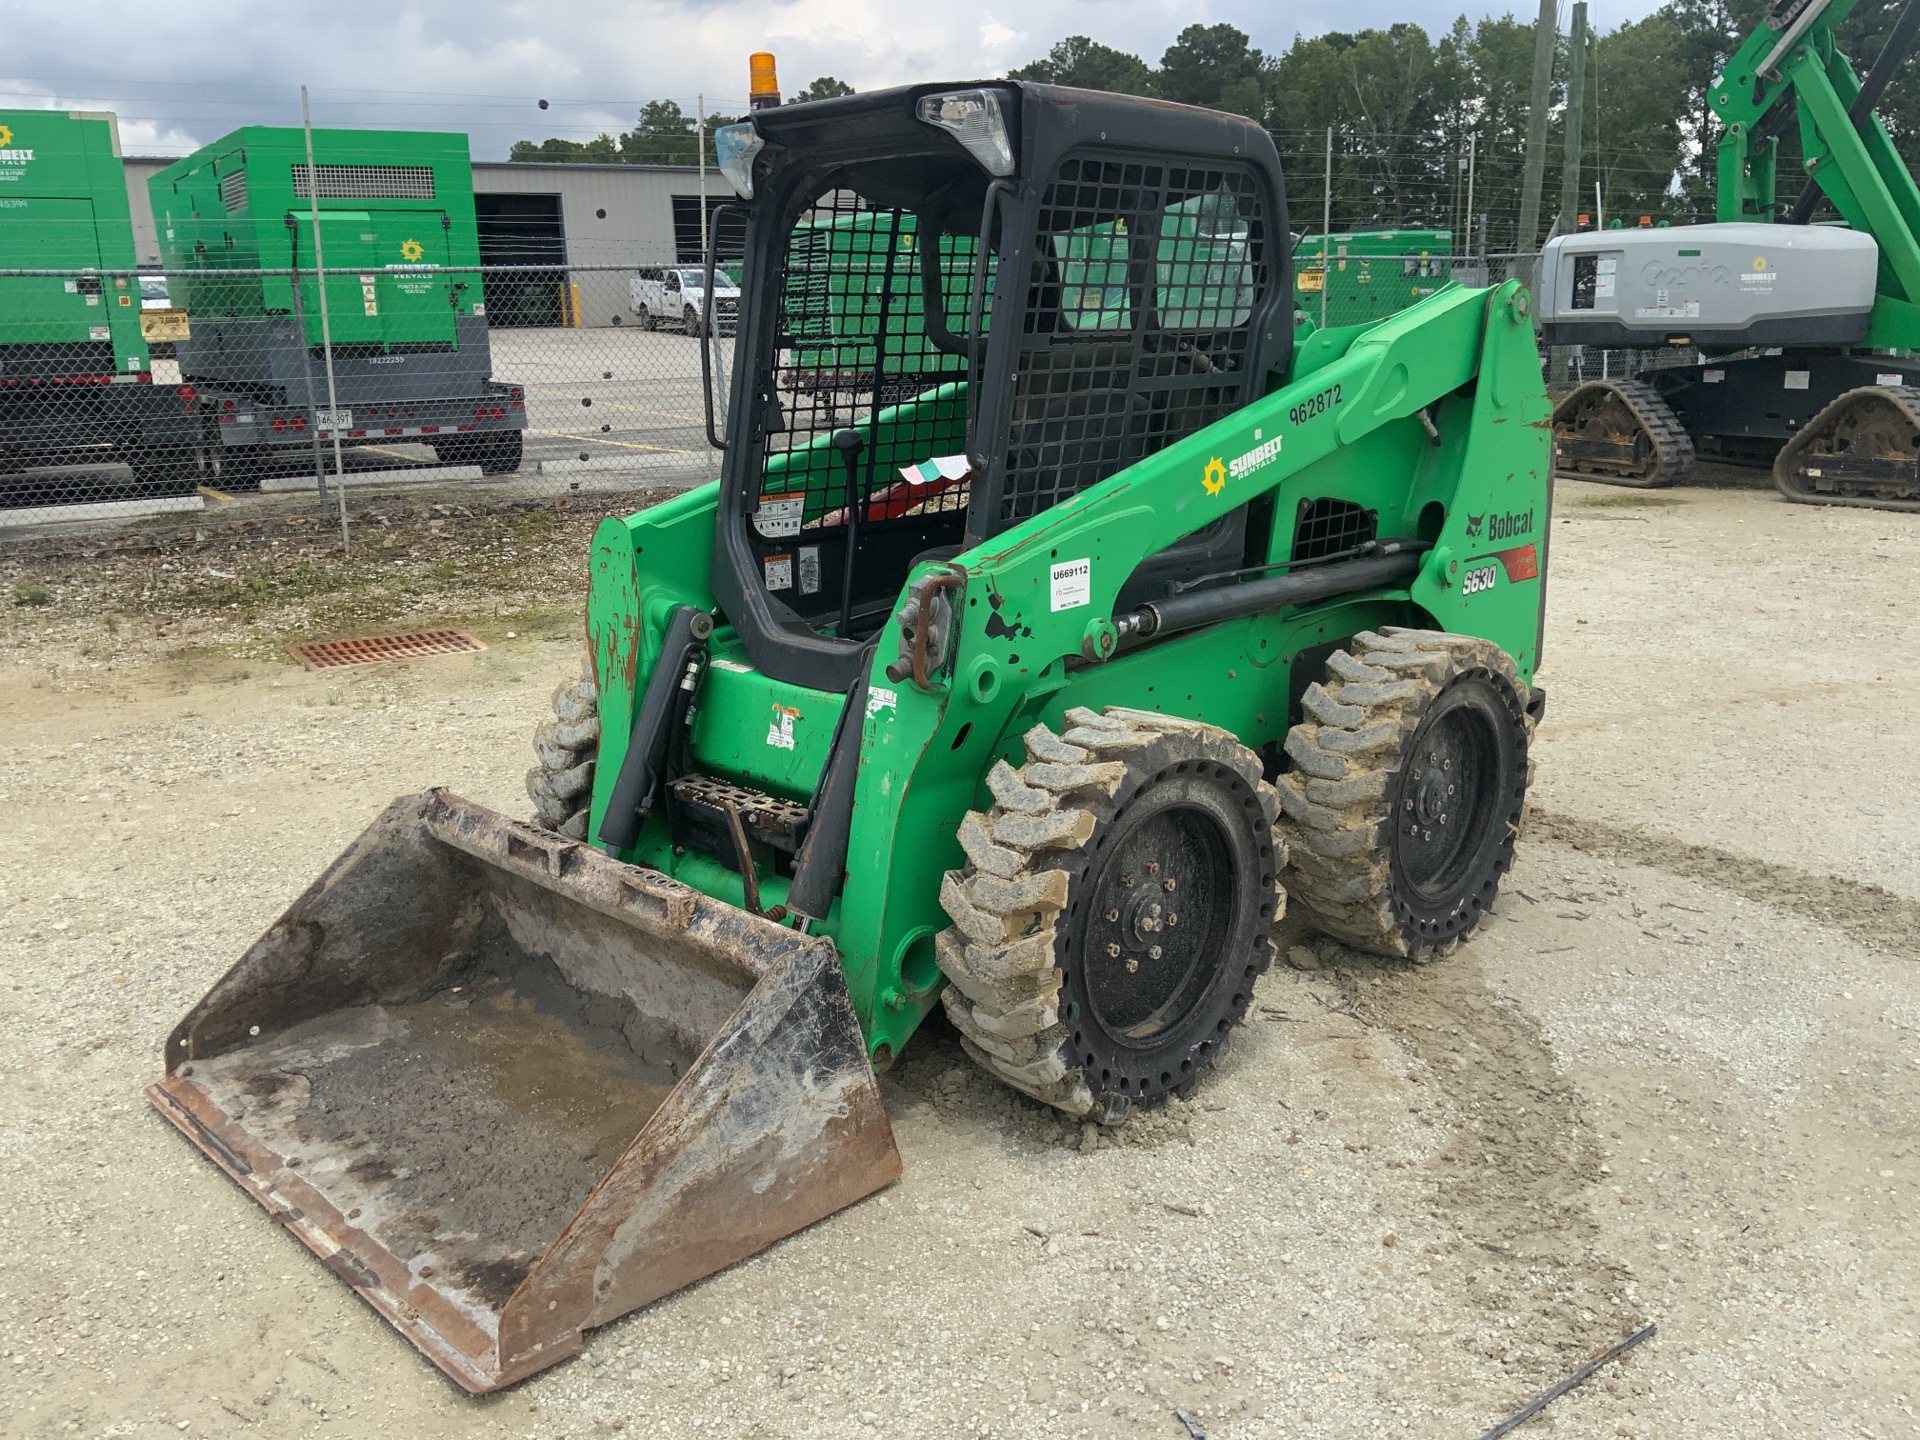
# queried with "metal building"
point(565, 219)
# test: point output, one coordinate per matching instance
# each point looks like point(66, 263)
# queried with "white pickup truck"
point(679, 297)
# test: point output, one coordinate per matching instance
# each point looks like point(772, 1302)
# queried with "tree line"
point(1407, 109)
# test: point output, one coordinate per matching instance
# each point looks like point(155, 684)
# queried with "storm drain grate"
point(326, 654)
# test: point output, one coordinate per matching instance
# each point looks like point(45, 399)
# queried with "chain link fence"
point(238, 391)
point(182, 391)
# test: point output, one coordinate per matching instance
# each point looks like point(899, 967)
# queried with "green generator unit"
point(405, 309)
point(76, 381)
point(1368, 275)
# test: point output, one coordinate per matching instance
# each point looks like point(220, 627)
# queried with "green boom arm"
point(1854, 163)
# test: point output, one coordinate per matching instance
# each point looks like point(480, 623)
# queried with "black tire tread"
point(1345, 755)
point(561, 782)
point(1001, 955)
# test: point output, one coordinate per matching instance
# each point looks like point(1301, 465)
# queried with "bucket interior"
point(477, 1078)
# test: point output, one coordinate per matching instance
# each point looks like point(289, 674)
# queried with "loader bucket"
point(508, 1088)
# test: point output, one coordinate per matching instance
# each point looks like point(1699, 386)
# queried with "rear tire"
point(561, 784)
point(1408, 788)
point(242, 467)
point(689, 321)
point(495, 454)
point(167, 469)
point(1114, 911)
point(647, 320)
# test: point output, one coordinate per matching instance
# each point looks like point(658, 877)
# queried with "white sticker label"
point(1712, 377)
point(1608, 264)
point(809, 569)
point(73, 286)
point(99, 332)
point(780, 728)
point(1798, 379)
point(1072, 584)
point(879, 699)
point(479, 309)
point(779, 570)
point(779, 515)
point(1603, 287)
point(1893, 379)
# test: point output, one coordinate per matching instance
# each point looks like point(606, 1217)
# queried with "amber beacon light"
point(763, 88)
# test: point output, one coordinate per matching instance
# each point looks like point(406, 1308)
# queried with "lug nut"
point(1113, 952)
point(1113, 914)
point(1153, 952)
point(1167, 884)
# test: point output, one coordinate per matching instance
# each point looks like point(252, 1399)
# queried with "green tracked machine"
point(1366, 275)
point(406, 312)
point(1026, 667)
point(1807, 331)
point(76, 378)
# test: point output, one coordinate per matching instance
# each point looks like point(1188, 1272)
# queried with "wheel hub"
point(1440, 810)
point(1147, 957)
point(1434, 789)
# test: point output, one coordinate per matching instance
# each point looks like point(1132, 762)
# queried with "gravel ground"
point(1673, 1080)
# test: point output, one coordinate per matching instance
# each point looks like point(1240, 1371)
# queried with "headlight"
point(736, 145)
point(974, 118)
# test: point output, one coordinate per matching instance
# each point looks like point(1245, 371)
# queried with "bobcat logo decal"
point(1473, 525)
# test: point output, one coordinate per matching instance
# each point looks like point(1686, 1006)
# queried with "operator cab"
point(967, 304)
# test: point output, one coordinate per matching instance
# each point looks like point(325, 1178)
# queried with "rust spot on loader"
point(507, 1087)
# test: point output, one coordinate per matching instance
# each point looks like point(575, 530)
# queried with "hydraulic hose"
point(644, 766)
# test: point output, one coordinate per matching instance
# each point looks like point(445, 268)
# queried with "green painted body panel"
point(1855, 164)
point(396, 208)
point(63, 206)
point(1347, 425)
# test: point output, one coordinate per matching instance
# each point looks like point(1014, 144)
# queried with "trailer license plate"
point(324, 419)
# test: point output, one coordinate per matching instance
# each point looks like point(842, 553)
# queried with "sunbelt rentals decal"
point(12, 160)
point(1219, 470)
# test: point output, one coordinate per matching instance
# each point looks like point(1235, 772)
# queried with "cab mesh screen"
point(1135, 329)
point(854, 353)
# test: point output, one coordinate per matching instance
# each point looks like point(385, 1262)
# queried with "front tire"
point(561, 783)
point(1114, 911)
point(1408, 786)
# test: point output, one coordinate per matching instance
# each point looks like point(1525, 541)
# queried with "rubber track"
point(1673, 453)
point(1346, 754)
point(1790, 475)
point(1023, 856)
point(561, 783)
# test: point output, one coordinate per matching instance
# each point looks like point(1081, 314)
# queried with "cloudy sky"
point(181, 75)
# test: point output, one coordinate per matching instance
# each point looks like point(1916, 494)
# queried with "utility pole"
point(1472, 143)
point(1326, 233)
point(700, 138)
point(1546, 30)
point(1576, 113)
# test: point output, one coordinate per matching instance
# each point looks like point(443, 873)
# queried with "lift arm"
point(1792, 59)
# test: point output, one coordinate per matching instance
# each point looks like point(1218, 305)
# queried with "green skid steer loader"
point(1065, 608)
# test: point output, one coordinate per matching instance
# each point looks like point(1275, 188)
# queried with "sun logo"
point(411, 250)
point(6, 136)
point(1215, 480)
